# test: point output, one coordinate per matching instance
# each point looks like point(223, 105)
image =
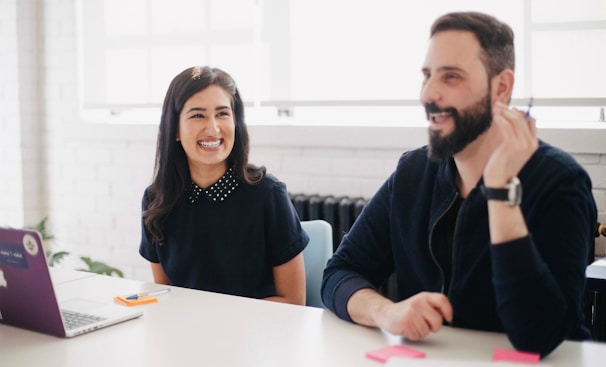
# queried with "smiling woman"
point(211, 220)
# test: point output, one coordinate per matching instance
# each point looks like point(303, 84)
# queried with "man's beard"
point(470, 124)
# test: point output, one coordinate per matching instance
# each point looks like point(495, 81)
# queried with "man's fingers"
point(419, 328)
point(441, 303)
point(418, 315)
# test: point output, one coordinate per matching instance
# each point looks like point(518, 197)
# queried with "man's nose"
point(430, 92)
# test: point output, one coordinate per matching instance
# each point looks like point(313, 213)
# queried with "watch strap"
point(495, 194)
point(511, 194)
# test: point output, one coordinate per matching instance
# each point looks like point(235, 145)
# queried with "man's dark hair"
point(495, 37)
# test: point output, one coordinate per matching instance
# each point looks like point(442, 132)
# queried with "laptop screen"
point(27, 297)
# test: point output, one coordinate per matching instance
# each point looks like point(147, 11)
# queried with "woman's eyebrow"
point(196, 109)
point(218, 108)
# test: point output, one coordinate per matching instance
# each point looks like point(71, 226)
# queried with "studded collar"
point(217, 192)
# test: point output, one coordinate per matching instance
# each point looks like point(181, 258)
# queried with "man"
point(467, 246)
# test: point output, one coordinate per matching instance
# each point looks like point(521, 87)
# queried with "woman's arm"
point(159, 275)
point(289, 279)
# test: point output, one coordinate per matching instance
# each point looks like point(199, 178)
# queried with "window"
point(134, 49)
point(329, 62)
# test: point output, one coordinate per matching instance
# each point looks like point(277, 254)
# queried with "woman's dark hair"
point(171, 172)
point(495, 37)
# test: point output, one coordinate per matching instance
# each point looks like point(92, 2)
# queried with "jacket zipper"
point(452, 254)
point(433, 227)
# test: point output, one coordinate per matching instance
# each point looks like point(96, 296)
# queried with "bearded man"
point(487, 227)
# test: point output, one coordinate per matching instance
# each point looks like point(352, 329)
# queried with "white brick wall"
point(89, 178)
point(11, 173)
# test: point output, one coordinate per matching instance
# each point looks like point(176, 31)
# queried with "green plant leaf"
point(41, 228)
point(55, 258)
point(100, 267)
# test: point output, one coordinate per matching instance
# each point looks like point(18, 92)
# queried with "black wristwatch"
point(511, 194)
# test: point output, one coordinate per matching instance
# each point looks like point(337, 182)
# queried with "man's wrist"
point(510, 193)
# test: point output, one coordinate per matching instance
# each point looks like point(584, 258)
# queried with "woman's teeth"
point(210, 144)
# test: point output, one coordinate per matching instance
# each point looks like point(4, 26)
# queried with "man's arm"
point(538, 273)
point(364, 260)
point(414, 317)
point(519, 142)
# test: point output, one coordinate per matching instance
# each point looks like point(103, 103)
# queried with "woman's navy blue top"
point(228, 237)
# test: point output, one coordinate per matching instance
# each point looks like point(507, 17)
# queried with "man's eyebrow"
point(451, 68)
point(444, 68)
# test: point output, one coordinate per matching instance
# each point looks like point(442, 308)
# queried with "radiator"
point(340, 212)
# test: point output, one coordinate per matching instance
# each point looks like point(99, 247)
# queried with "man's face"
point(455, 93)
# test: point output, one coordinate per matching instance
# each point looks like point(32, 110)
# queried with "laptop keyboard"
point(73, 320)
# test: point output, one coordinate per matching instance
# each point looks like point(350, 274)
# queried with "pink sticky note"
point(383, 354)
point(515, 356)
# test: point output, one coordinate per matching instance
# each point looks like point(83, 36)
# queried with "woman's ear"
point(503, 86)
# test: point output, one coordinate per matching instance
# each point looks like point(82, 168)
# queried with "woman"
point(212, 221)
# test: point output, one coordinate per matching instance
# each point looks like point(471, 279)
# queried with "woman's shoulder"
point(267, 188)
point(269, 182)
point(271, 178)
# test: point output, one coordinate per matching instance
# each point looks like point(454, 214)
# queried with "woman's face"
point(207, 129)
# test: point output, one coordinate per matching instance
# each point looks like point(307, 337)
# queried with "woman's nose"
point(212, 125)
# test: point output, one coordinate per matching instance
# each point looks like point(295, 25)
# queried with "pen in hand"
point(153, 293)
point(529, 105)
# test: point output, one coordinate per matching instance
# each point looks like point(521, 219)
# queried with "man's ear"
point(502, 86)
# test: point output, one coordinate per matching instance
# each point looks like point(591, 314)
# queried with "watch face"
point(514, 195)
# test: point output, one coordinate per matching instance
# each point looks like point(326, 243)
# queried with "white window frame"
point(585, 112)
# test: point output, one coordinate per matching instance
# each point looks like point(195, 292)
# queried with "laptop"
point(27, 295)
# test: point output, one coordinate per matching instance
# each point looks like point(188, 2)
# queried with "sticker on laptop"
point(30, 244)
point(13, 255)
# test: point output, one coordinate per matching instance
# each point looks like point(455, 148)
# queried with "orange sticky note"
point(135, 302)
point(383, 354)
point(515, 356)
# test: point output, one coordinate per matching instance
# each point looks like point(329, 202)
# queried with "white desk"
point(194, 328)
point(61, 276)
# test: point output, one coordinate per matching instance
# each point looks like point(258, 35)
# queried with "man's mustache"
point(433, 108)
